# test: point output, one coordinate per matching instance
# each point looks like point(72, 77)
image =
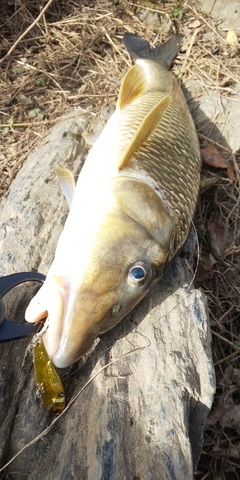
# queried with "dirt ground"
point(57, 56)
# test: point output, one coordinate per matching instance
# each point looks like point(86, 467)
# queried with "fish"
point(130, 212)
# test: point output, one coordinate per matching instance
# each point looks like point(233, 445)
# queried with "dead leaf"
point(210, 262)
point(24, 100)
point(232, 38)
point(204, 271)
point(233, 451)
point(231, 376)
point(194, 24)
point(216, 237)
point(227, 410)
point(231, 417)
point(212, 158)
point(208, 179)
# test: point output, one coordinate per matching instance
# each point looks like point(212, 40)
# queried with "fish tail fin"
point(137, 47)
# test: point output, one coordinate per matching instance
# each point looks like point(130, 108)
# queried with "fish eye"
point(139, 273)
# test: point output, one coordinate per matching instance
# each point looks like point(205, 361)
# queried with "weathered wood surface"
point(142, 416)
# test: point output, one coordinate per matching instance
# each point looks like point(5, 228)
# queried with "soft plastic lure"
point(49, 385)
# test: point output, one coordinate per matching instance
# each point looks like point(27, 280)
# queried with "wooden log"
point(145, 388)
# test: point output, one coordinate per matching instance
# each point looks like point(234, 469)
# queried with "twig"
point(26, 31)
point(225, 359)
point(31, 67)
point(115, 47)
point(27, 124)
point(88, 95)
point(219, 457)
point(148, 8)
point(226, 340)
point(190, 47)
point(207, 23)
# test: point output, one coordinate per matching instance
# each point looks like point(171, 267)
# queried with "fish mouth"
point(62, 358)
point(68, 338)
point(74, 317)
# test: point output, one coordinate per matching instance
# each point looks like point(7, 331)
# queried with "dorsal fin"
point(67, 183)
point(147, 126)
point(133, 85)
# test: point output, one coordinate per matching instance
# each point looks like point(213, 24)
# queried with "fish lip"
point(59, 362)
point(63, 359)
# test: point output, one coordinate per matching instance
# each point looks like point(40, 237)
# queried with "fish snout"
point(81, 325)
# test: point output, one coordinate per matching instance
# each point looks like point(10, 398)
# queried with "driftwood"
point(142, 414)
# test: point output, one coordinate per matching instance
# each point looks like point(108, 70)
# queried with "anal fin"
point(67, 183)
point(90, 138)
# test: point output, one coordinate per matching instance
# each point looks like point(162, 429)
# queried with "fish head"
point(112, 271)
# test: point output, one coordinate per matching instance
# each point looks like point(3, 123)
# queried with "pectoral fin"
point(146, 128)
point(90, 138)
point(133, 85)
point(67, 183)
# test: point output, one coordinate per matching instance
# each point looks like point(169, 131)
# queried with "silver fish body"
point(131, 210)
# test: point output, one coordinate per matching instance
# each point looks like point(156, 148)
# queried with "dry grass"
point(73, 56)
